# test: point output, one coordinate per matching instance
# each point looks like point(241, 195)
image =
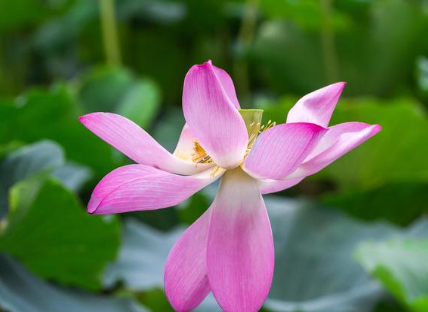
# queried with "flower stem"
point(245, 39)
point(328, 42)
point(109, 29)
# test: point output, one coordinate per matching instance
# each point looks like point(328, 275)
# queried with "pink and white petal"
point(228, 85)
point(185, 145)
point(186, 280)
point(268, 186)
point(318, 106)
point(212, 117)
point(338, 141)
point(137, 144)
point(278, 151)
point(240, 252)
point(140, 187)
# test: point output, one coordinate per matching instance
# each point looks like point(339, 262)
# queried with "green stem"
point(328, 42)
point(245, 39)
point(109, 29)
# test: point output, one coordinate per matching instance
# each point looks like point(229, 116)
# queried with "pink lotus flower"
point(229, 250)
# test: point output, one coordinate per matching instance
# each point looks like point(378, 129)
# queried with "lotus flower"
point(229, 250)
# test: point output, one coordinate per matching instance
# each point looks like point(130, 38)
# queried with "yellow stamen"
point(252, 120)
point(200, 156)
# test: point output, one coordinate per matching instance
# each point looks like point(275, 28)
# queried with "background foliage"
point(353, 238)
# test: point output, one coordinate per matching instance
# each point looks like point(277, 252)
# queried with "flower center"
point(252, 119)
point(200, 156)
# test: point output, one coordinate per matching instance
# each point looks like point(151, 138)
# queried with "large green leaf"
point(53, 114)
point(41, 158)
point(399, 202)
point(141, 262)
point(24, 163)
point(402, 268)
point(314, 268)
point(55, 238)
point(21, 291)
point(142, 257)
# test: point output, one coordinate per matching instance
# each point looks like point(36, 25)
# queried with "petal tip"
point(376, 129)
point(93, 206)
point(206, 65)
point(84, 119)
point(340, 86)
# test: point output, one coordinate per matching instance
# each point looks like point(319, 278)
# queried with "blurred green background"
point(353, 238)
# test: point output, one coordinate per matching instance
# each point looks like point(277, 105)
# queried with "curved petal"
point(240, 252)
point(338, 141)
point(212, 117)
point(140, 187)
point(137, 144)
point(227, 85)
point(185, 145)
point(186, 280)
point(318, 106)
point(184, 149)
point(278, 151)
point(268, 186)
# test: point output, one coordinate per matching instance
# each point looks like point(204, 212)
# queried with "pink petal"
point(186, 280)
point(268, 186)
point(137, 144)
point(212, 117)
point(140, 187)
point(278, 151)
point(338, 141)
point(318, 106)
point(185, 145)
point(227, 85)
point(240, 253)
point(184, 149)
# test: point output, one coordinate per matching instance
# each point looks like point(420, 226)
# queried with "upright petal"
point(268, 186)
point(278, 151)
point(240, 252)
point(318, 106)
point(137, 144)
point(139, 187)
point(186, 280)
point(338, 141)
point(212, 117)
point(227, 85)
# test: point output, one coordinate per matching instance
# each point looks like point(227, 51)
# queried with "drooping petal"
point(137, 144)
point(140, 187)
point(268, 186)
point(212, 117)
point(186, 280)
point(278, 151)
point(318, 106)
point(240, 252)
point(338, 141)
